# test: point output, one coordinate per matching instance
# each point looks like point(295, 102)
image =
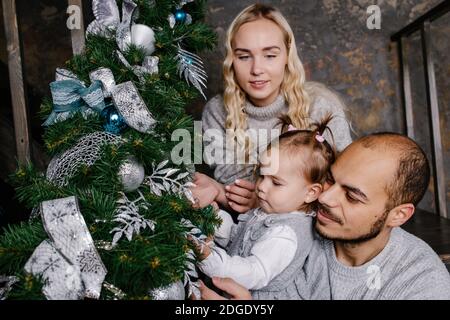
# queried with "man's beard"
point(375, 230)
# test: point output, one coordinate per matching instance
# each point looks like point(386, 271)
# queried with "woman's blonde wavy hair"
point(292, 86)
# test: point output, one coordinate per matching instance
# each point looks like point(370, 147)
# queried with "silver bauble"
point(174, 291)
point(131, 173)
point(143, 36)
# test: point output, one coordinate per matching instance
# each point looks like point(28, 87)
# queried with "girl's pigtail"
point(319, 131)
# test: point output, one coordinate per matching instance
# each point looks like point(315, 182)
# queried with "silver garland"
point(85, 152)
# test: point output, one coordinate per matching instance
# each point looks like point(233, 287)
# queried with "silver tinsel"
point(174, 291)
point(69, 263)
point(132, 108)
point(86, 152)
point(131, 173)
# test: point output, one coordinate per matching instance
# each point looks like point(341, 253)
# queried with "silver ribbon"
point(123, 33)
point(69, 262)
point(6, 283)
point(132, 108)
point(126, 99)
point(106, 77)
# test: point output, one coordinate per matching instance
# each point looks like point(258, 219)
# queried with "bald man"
point(373, 189)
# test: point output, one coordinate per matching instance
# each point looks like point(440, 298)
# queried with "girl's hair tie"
point(320, 138)
point(291, 128)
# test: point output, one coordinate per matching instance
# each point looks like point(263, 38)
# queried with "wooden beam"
point(433, 110)
point(78, 34)
point(8, 161)
point(20, 113)
point(406, 87)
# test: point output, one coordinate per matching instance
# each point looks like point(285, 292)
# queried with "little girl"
point(267, 250)
point(263, 79)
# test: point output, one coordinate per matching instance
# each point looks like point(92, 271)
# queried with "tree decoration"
point(107, 223)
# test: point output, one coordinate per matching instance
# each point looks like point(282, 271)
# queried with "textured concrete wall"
point(333, 41)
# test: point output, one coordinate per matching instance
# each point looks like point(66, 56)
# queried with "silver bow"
point(126, 99)
point(107, 19)
point(69, 263)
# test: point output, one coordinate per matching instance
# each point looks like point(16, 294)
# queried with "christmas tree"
point(112, 213)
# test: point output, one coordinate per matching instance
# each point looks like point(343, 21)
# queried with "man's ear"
point(313, 193)
point(400, 214)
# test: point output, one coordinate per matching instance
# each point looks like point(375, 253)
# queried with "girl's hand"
point(203, 248)
point(205, 190)
point(241, 195)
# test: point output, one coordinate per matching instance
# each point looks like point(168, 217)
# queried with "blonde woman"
point(264, 79)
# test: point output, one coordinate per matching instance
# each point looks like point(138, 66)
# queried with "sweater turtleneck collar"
point(266, 112)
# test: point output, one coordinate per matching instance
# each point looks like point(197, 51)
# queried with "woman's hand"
point(241, 195)
point(231, 287)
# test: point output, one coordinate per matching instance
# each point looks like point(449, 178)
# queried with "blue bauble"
point(180, 15)
point(114, 123)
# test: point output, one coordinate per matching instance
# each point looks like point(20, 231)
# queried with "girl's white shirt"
point(269, 256)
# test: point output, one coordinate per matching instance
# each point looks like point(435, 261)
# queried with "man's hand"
point(241, 195)
point(205, 190)
point(231, 287)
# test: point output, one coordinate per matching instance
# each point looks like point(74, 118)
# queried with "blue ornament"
point(180, 15)
point(114, 123)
